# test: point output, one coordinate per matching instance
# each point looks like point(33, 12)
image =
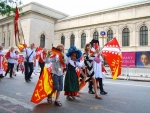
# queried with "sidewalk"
point(143, 79)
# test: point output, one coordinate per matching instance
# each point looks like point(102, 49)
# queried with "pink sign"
point(128, 59)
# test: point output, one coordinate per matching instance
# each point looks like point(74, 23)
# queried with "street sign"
point(102, 33)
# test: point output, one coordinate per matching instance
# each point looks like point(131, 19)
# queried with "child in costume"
point(57, 75)
point(88, 62)
point(98, 72)
point(71, 86)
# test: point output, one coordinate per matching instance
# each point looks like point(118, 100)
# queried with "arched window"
point(42, 41)
point(95, 35)
point(63, 40)
point(72, 39)
point(83, 40)
point(125, 37)
point(109, 35)
point(143, 36)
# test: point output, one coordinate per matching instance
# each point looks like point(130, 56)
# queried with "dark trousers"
point(10, 68)
point(41, 66)
point(18, 67)
point(100, 80)
point(28, 69)
point(90, 86)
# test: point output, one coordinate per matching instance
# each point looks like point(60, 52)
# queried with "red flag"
point(43, 87)
point(113, 56)
point(5, 65)
point(56, 51)
point(7, 54)
point(38, 52)
point(19, 37)
point(103, 68)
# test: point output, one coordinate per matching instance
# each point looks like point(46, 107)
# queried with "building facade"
point(37, 22)
point(130, 24)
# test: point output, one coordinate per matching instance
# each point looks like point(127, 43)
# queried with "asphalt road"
point(123, 97)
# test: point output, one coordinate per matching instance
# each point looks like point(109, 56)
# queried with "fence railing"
point(132, 71)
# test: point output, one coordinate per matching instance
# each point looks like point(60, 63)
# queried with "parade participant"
point(57, 75)
point(98, 74)
point(16, 63)
point(88, 62)
point(42, 60)
point(71, 86)
point(11, 61)
point(29, 59)
point(1, 61)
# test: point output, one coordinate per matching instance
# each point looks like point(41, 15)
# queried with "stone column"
point(12, 39)
point(6, 36)
point(1, 35)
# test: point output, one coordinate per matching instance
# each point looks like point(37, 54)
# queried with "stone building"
point(130, 24)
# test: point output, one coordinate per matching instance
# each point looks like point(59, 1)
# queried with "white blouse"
point(98, 68)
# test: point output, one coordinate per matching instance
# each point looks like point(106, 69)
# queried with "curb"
point(131, 79)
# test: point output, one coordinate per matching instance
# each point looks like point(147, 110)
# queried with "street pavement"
point(123, 97)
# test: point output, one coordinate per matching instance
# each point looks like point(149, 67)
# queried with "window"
point(95, 35)
point(42, 41)
point(72, 38)
point(125, 37)
point(83, 40)
point(63, 40)
point(109, 35)
point(143, 36)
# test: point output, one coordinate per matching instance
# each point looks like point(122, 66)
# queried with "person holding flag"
point(57, 60)
point(98, 74)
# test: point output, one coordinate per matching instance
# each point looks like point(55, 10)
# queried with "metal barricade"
point(131, 71)
point(142, 71)
point(125, 72)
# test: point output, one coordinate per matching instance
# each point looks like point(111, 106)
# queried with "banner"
point(143, 58)
point(128, 59)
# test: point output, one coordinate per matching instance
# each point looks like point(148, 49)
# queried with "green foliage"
point(7, 7)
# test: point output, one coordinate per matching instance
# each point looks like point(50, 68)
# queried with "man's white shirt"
point(12, 56)
point(27, 53)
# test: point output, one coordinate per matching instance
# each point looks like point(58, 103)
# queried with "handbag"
point(97, 59)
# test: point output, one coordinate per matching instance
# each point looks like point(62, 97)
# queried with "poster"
point(128, 59)
point(143, 58)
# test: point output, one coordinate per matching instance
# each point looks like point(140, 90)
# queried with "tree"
point(7, 7)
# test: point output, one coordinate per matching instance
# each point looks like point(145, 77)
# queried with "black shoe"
point(27, 80)
point(103, 93)
point(1, 76)
point(91, 92)
point(15, 74)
